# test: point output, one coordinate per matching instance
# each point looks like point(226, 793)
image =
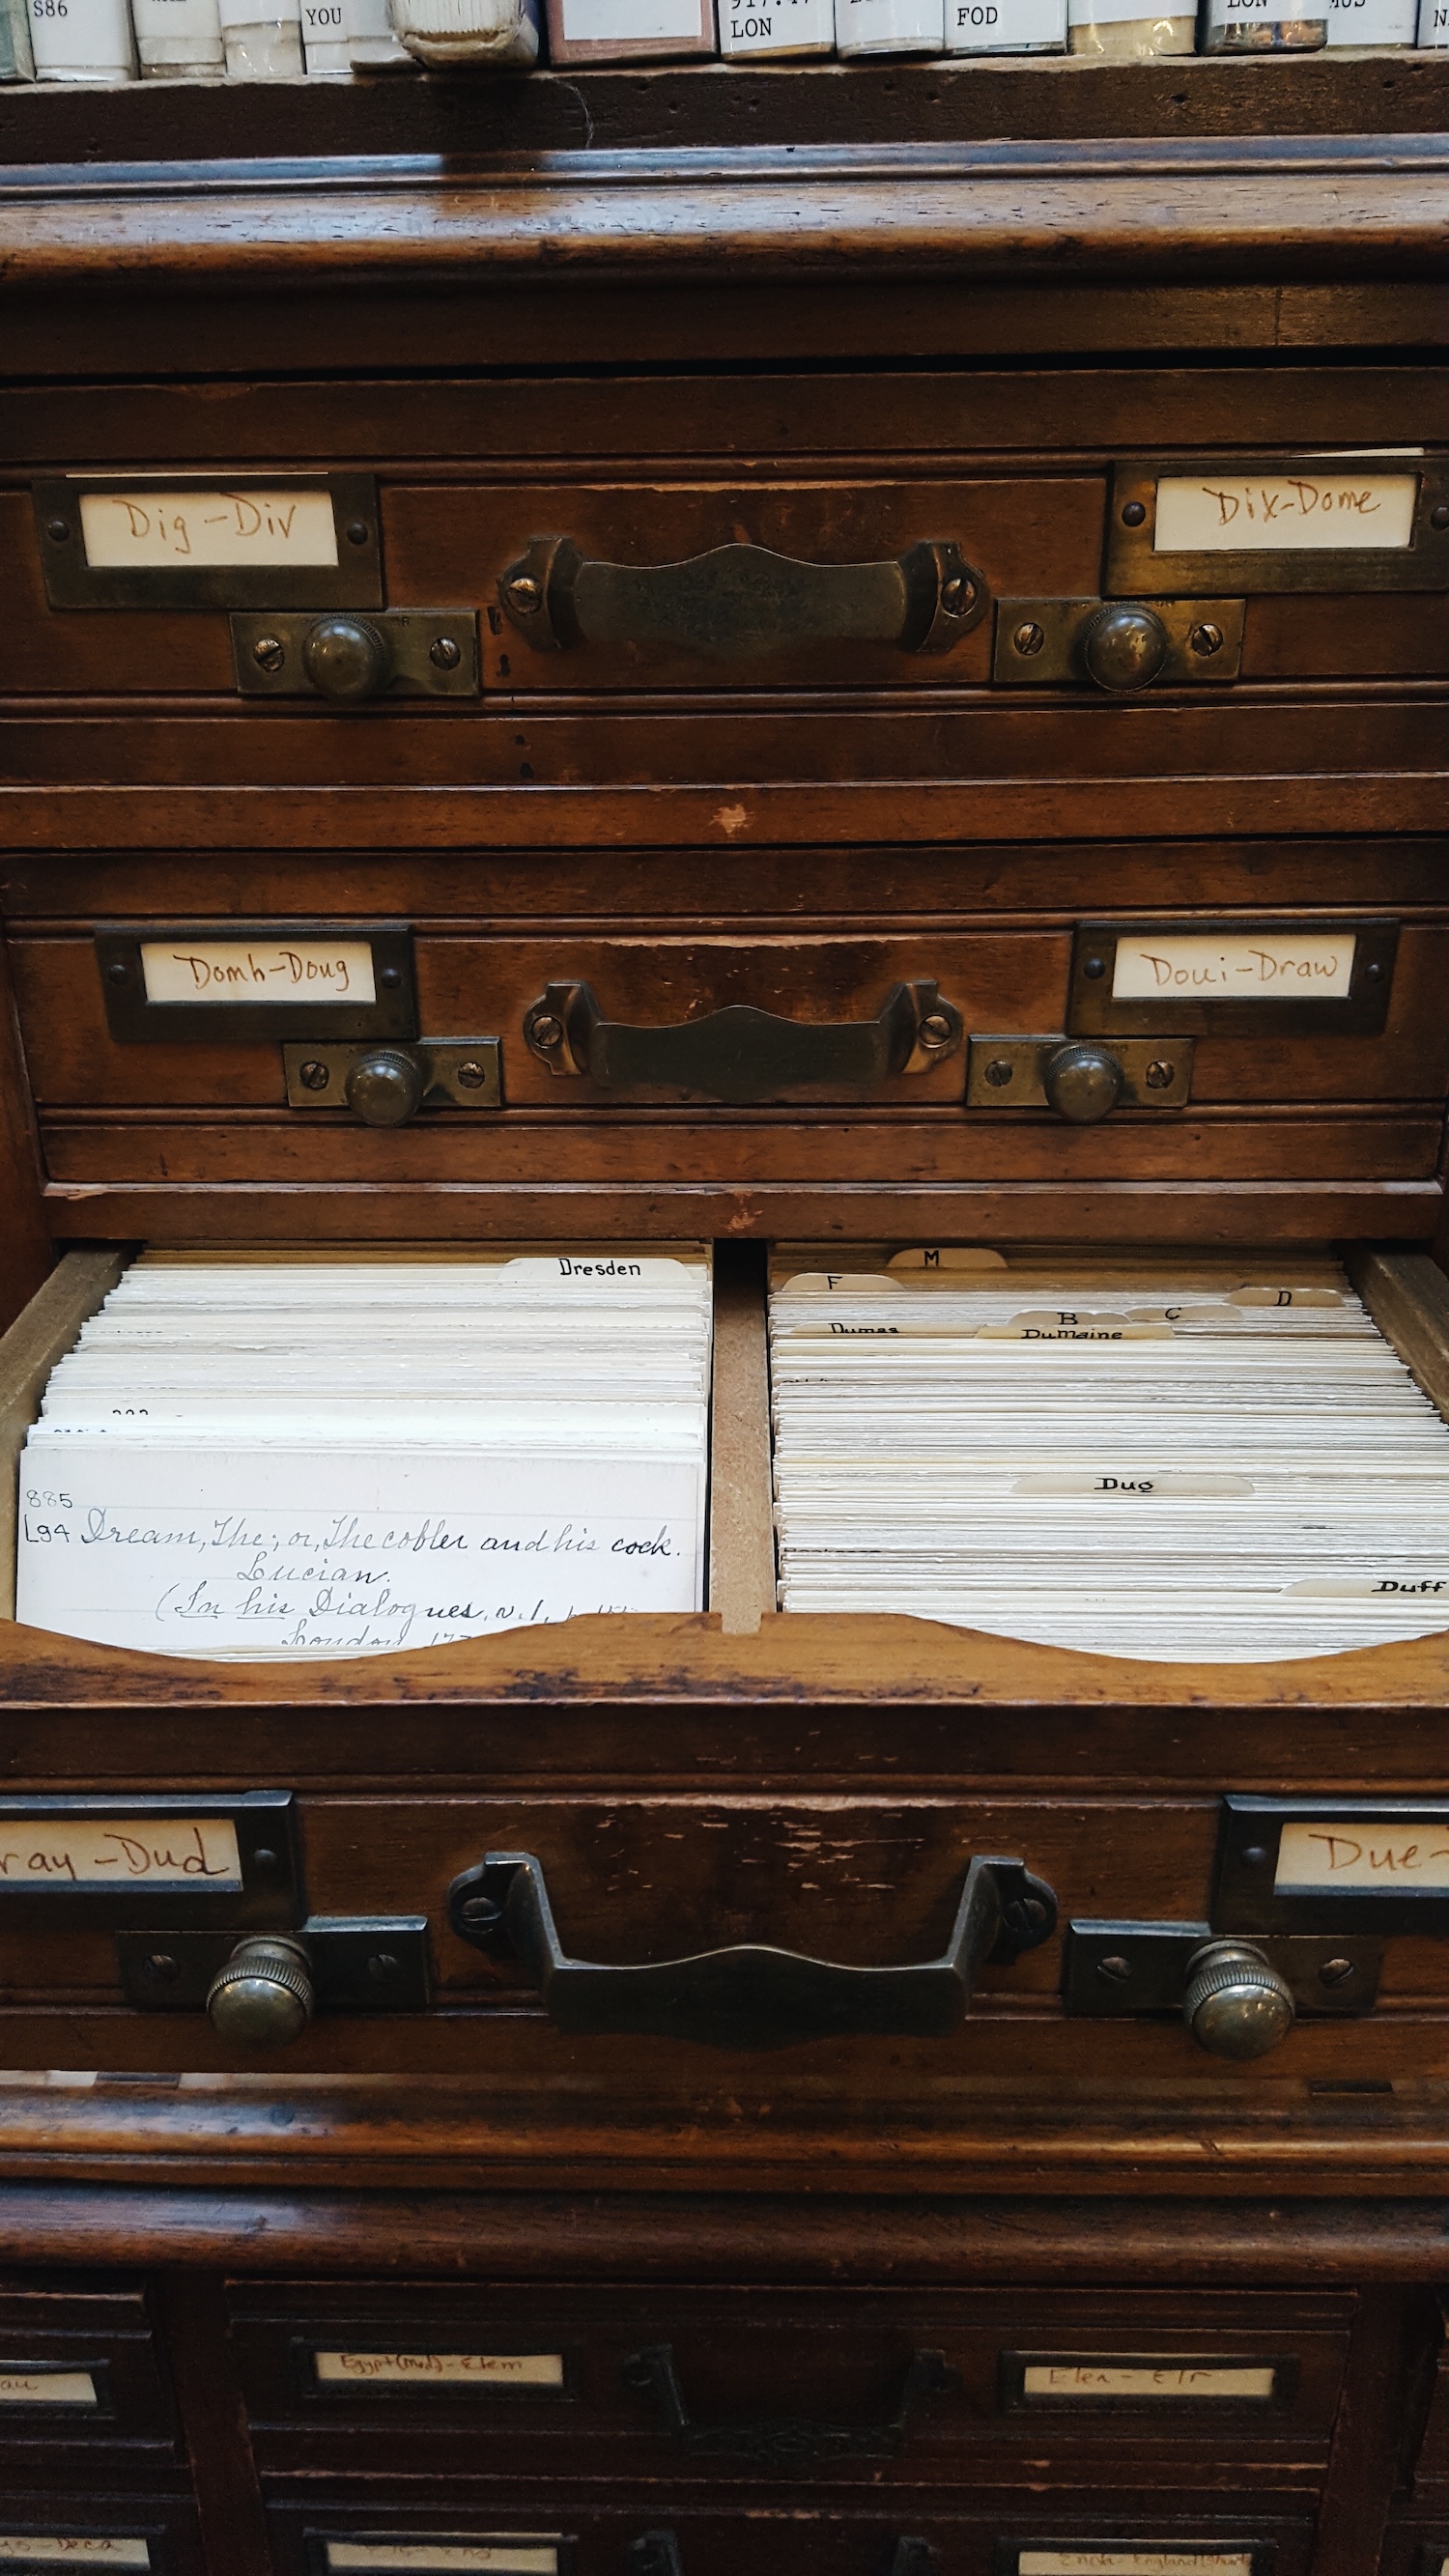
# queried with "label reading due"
point(233, 970)
point(151, 531)
point(1325, 507)
point(1382, 1854)
point(47, 2388)
point(1242, 967)
point(57, 1852)
point(1147, 2379)
point(440, 2369)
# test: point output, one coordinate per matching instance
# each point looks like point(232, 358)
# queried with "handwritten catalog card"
point(331, 1458)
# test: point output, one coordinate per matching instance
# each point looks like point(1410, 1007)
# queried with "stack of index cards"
point(276, 1456)
point(1182, 1458)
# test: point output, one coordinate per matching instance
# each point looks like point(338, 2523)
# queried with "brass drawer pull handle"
point(750, 1996)
point(786, 2442)
point(740, 1054)
point(738, 601)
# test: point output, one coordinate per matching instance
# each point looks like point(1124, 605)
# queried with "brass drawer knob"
point(1124, 648)
point(345, 657)
point(385, 1087)
point(1082, 1083)
point(263, 1997)
point(1236, 2005)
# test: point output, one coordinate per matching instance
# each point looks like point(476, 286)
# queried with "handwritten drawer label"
point(1264, 978)
point(1353, 1852)
point(55, 2548)
point(446, 2556)
point(440, 2369)
point(237, 526)
point(206, 983)
point(1135, 2562)
point(232, 971)
point(47, 2388)
point(1148, 2379)
point(167, 541)
point(1248, 967)
point(1329, 506)
point(120, 1851)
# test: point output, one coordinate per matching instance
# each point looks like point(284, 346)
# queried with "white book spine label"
point(265, 13)
point(81, 35)
point(630, 22)
point(1005, 26)
point(777, 27)
point(1434, 22)
point(1372, 22)
point(195, 20)
point(890, 26)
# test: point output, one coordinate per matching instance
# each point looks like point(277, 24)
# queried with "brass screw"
point(1093, 967)
point(1115, 1970)
point(313, 1076)
point(999, 1072)
point(161, 1967)
point(358, 532)
point(525, 594)
point(1134, 514)
point(1206, 640)
point(472, 1076)
point(444, 654)
point(1159, 1074)
point(935, 1030)
point(546, 1032)
point(958, 594)
point(118, 974)
point(1335, 1972)
point(1438, 516)
point(57, 530)
point(1028, 639)
point(269, 652)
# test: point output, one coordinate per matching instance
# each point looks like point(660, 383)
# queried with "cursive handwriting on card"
point(1147, 2379)
point(235, 970)
point(63, 1850)
point(154, 531)
point(1308, 507)
point(1388, 1855)
point(440, 2369)
point(1233, 966)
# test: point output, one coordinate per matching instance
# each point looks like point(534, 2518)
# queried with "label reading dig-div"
point(154, 531)
point(439, 2369)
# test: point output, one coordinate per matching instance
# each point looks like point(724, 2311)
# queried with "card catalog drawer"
point(377, 2535)
point(134, 2535)
point(708, 2386)
point(80, 2366)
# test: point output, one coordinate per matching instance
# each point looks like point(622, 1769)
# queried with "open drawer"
point(866, 1857)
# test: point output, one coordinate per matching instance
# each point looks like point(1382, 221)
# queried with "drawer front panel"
point(80, 2370)
point(364, 2535)
point(454, 539)
point(509, 2383)
point(473, 980)
point(135, 2535)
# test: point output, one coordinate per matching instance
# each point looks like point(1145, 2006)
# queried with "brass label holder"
point(354, 580)
point(268, 964)
point(1093, 1009)
point(1135, 568)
